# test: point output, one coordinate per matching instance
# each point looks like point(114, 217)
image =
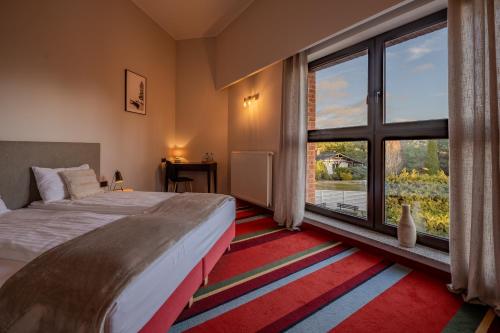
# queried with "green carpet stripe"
point(255, 234)
point(258, 270)
point(467, 319)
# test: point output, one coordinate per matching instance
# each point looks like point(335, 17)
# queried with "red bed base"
point(173, 306)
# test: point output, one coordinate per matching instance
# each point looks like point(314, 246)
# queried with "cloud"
point(332, 88)
point(342, 116)
point(428, 44)
point(423, 67)
point(418, 52)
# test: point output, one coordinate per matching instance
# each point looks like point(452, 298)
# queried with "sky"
point(416, 84)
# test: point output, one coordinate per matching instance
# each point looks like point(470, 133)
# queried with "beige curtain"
point(289, 193)
point(474, 50)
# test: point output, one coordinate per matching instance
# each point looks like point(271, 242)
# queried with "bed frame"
point(182, 296)
point(18, 189)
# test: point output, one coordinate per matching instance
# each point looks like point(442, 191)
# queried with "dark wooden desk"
point(209, 167)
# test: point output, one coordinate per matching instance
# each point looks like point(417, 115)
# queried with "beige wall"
point(201, 112)
point(256, 127)
point(272, 30)
point(62, 79)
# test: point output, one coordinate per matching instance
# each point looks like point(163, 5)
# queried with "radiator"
point(252, 176)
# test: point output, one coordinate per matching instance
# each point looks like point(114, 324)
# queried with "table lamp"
point(177, 152)
point(118, 179)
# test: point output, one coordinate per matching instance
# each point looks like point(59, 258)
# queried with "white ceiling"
point(185, 19)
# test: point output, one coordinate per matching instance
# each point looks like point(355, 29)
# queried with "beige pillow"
point(81, 183)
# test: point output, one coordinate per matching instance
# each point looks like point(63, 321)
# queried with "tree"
point(357, 150)
point(321, 171)
point(343, 173)
point(432, 158)
point(443, 153)
point(414, 152)
point(393, 158)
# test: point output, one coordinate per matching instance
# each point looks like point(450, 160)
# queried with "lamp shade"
point(118, 177)
point(177, 152)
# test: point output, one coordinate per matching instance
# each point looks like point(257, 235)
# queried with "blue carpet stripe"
point(223, 308)
point(336, 312)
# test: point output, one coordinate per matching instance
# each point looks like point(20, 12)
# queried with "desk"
point(209, 167)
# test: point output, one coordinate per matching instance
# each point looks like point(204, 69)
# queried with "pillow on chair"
point(81, 183)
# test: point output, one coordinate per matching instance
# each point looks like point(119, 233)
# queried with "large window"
point(378, 131)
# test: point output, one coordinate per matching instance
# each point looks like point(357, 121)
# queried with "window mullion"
point(377, 145)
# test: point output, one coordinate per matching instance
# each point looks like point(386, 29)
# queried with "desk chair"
point(174, 180)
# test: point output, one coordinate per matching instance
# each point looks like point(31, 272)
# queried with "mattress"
point(116, 202)
point(147, 292)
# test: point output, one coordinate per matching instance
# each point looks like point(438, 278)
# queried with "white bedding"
point(118, 202)
point(26, 233)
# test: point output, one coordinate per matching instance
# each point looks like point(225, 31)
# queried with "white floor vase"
point(407, 232)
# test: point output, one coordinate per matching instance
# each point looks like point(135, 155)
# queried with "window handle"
point(378, 96)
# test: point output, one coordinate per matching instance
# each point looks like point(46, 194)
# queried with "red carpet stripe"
point(258, 282)
point(264, 310)
point(256, 234)
point(257, 225)
point(261, 240)
point(318, 303)
point(238, 262)
point(417, 303)
point(238, 279)
point(275, 235)
point(247, 213)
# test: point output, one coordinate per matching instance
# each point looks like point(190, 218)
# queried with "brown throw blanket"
point(72, 287)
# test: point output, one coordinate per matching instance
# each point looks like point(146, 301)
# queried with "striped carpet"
point(275, 280)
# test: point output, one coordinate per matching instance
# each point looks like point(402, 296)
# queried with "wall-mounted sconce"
point(247, 101)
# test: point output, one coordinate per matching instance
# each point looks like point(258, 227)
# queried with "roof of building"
point(333, 154)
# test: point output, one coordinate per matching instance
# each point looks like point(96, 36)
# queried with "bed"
point(152, 301)
point(115, 202)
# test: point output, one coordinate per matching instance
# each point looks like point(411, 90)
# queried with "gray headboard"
point(17, 182)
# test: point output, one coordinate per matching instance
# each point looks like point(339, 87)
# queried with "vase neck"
point(406, 210)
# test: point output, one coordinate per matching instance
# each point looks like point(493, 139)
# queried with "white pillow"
point(81, 183)
point(3, 208)
point(50, 184)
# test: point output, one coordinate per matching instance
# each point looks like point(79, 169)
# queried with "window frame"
point(377, 132)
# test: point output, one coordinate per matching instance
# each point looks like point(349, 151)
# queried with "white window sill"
point(422, 254)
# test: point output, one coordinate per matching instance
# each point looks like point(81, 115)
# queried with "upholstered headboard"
point(17, 182)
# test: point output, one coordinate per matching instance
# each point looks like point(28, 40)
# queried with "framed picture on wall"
point(135, 92)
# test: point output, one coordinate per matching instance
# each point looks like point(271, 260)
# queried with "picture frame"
point(135, 92)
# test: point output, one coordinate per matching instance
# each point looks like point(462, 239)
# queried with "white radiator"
point(252, 176)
